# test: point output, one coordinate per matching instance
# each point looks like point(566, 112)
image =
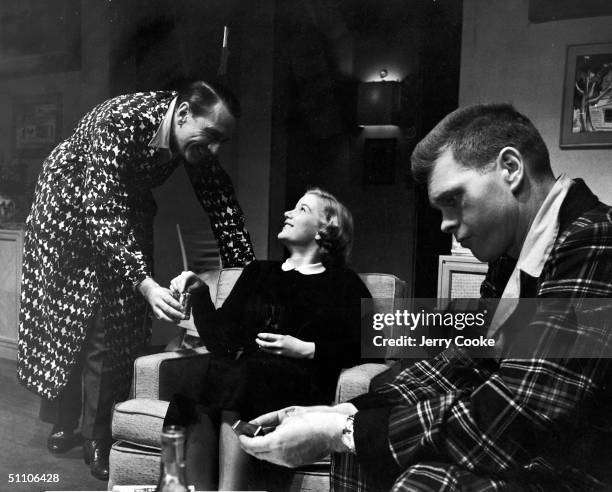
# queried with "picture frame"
point(586, 114)
point(37, 124)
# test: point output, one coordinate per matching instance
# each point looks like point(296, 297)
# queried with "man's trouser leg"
point(97, 383)
point(65, 410)
point(91, 375)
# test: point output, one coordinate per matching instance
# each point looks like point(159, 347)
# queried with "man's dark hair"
point(476, 134)
point(201, 96)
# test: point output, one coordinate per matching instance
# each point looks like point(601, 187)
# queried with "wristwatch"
point(348, 440)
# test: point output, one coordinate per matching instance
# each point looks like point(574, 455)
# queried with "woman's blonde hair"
point(336, 235)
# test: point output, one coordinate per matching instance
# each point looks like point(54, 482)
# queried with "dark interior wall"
point(72, 71)
point(439, 95)
point(163, 43)
point(390, 36)
point(525, 65)
point(256, 126)
point(325, 48)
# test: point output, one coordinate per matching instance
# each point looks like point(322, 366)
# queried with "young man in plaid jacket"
point(501, 423)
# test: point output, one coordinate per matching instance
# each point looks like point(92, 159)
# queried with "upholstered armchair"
point(137, 423)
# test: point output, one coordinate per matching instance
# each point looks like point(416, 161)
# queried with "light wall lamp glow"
point(378, 103)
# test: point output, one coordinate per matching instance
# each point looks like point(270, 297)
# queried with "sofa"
point(137, 422)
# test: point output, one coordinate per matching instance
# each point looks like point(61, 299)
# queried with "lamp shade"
point(378, 103)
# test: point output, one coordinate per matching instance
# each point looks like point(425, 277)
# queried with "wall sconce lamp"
point(378, 103)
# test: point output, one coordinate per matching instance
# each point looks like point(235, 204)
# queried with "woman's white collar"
point(308, 269)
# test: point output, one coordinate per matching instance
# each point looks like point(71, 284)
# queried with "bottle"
point(172, 467)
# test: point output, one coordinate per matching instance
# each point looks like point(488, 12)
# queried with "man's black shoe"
point(95, 454)
point(61, 440)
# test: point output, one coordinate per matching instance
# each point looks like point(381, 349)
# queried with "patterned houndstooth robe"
point(89, 239)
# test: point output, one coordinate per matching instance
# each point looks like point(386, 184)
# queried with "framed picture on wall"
point(37, 124)
point(586, 116)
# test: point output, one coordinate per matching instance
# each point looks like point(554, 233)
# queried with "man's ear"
point(182, 110)
point(512, 167)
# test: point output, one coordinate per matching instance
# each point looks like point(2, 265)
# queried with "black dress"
point(324, 308)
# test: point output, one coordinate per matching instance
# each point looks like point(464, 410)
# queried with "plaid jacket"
point(456, 423)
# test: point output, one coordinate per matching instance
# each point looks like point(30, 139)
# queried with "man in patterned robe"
point(87, 289)
point(533, 416)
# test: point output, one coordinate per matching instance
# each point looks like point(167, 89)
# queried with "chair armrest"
point(356, 380)
point(159, 376)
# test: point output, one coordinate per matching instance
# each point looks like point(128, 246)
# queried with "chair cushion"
point(132, 465)
point(383, 286)
point(355, 381)
point(386, 291)
point(140, 422)
point(225, 284)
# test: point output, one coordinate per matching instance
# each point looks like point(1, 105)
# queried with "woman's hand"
point(285, 345)
point(185, 282)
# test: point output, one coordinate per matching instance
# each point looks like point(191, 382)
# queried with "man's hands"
point(286, 345)
point(163, 305)
point(303, 435)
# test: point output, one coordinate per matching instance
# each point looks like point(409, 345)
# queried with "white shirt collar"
point(309, 269)
point(161, 139)
point(544, 230)
point(536, 248)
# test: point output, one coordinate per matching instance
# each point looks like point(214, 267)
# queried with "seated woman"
point(281, 337)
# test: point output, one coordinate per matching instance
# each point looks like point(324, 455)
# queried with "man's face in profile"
point(198, 137)
point(477, 206)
